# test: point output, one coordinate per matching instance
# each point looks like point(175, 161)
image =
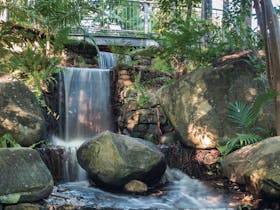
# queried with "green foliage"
point(143, 97)
point(241, 114)
point(183, 46)
point(244, 116)
point(18, 11)
point(52, 20)
point(162, 65)
point(34, 68)
point(241, 140)
point(8, 141)
point(122, 54)
point(191, 42)
point(125, 15)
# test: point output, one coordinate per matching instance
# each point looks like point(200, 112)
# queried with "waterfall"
point(85, 110)
point(106, 60)
point(87, 102)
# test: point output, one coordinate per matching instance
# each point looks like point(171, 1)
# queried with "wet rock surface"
point(24, 176)
point(138, 114)
point(136, 186)
point(181, 192)
point(26, 206)
point(53, 157)
point(113, 160)
point(257, 166)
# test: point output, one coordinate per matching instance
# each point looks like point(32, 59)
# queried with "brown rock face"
point(20, 114)
point(257, 166)
point(197, 104)
point(136, 186)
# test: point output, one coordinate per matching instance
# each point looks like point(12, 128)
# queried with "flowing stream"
point(86, 110)
point(181, 192)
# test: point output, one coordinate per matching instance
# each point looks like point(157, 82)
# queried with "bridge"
point(120, 22)
point(124, 22)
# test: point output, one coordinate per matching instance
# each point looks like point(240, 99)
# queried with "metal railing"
point(121, 16)
point(130, 17)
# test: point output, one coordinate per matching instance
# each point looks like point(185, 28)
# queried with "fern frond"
point(241, 114)
point(244, 115)
point(241, 140)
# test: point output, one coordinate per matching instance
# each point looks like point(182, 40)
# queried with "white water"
point(106, 60)
point(181, 192)
point(85, 107)
point(87, 102)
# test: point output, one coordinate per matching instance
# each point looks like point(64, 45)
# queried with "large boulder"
point(112, 160)
point(257, 166)
point(197, 104)
point(20, 113)
point(24, 176)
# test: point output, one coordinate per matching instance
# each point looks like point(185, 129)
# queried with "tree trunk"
point(269, 25)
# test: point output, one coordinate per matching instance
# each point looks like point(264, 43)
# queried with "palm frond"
point(241, 114)
point(245, 115)
point(241, 140)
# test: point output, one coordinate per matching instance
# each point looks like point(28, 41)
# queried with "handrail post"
point(146, 17)
point(5, 15)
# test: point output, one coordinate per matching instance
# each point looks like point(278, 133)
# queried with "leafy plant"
point(143, 97)
point(34, 68)
point(7, 140)
point(244, 116)
point(241, 140)
point(122, 54)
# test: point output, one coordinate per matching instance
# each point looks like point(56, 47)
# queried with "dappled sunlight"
point(199, 135)
point(236, 55)
point(251, 94)
point(133, 121)
point(256, 178)
point(6, 123)
point(5, 78)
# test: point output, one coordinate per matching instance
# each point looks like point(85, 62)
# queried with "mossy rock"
point(197, 104)
point(20, 114)
point(112, 160)
point(24, 176)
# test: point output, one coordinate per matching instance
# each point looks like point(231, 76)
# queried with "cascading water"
point(85, 105)
point(106, 60)
point(86, 110)
point(181, 192)
point(87, 100)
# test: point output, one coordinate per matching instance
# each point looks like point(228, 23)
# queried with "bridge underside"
point(117, 40)
point(125, 41)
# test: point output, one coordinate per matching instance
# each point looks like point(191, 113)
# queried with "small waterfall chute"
point(87, 102)
point(85, 110)
point(108, 60)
